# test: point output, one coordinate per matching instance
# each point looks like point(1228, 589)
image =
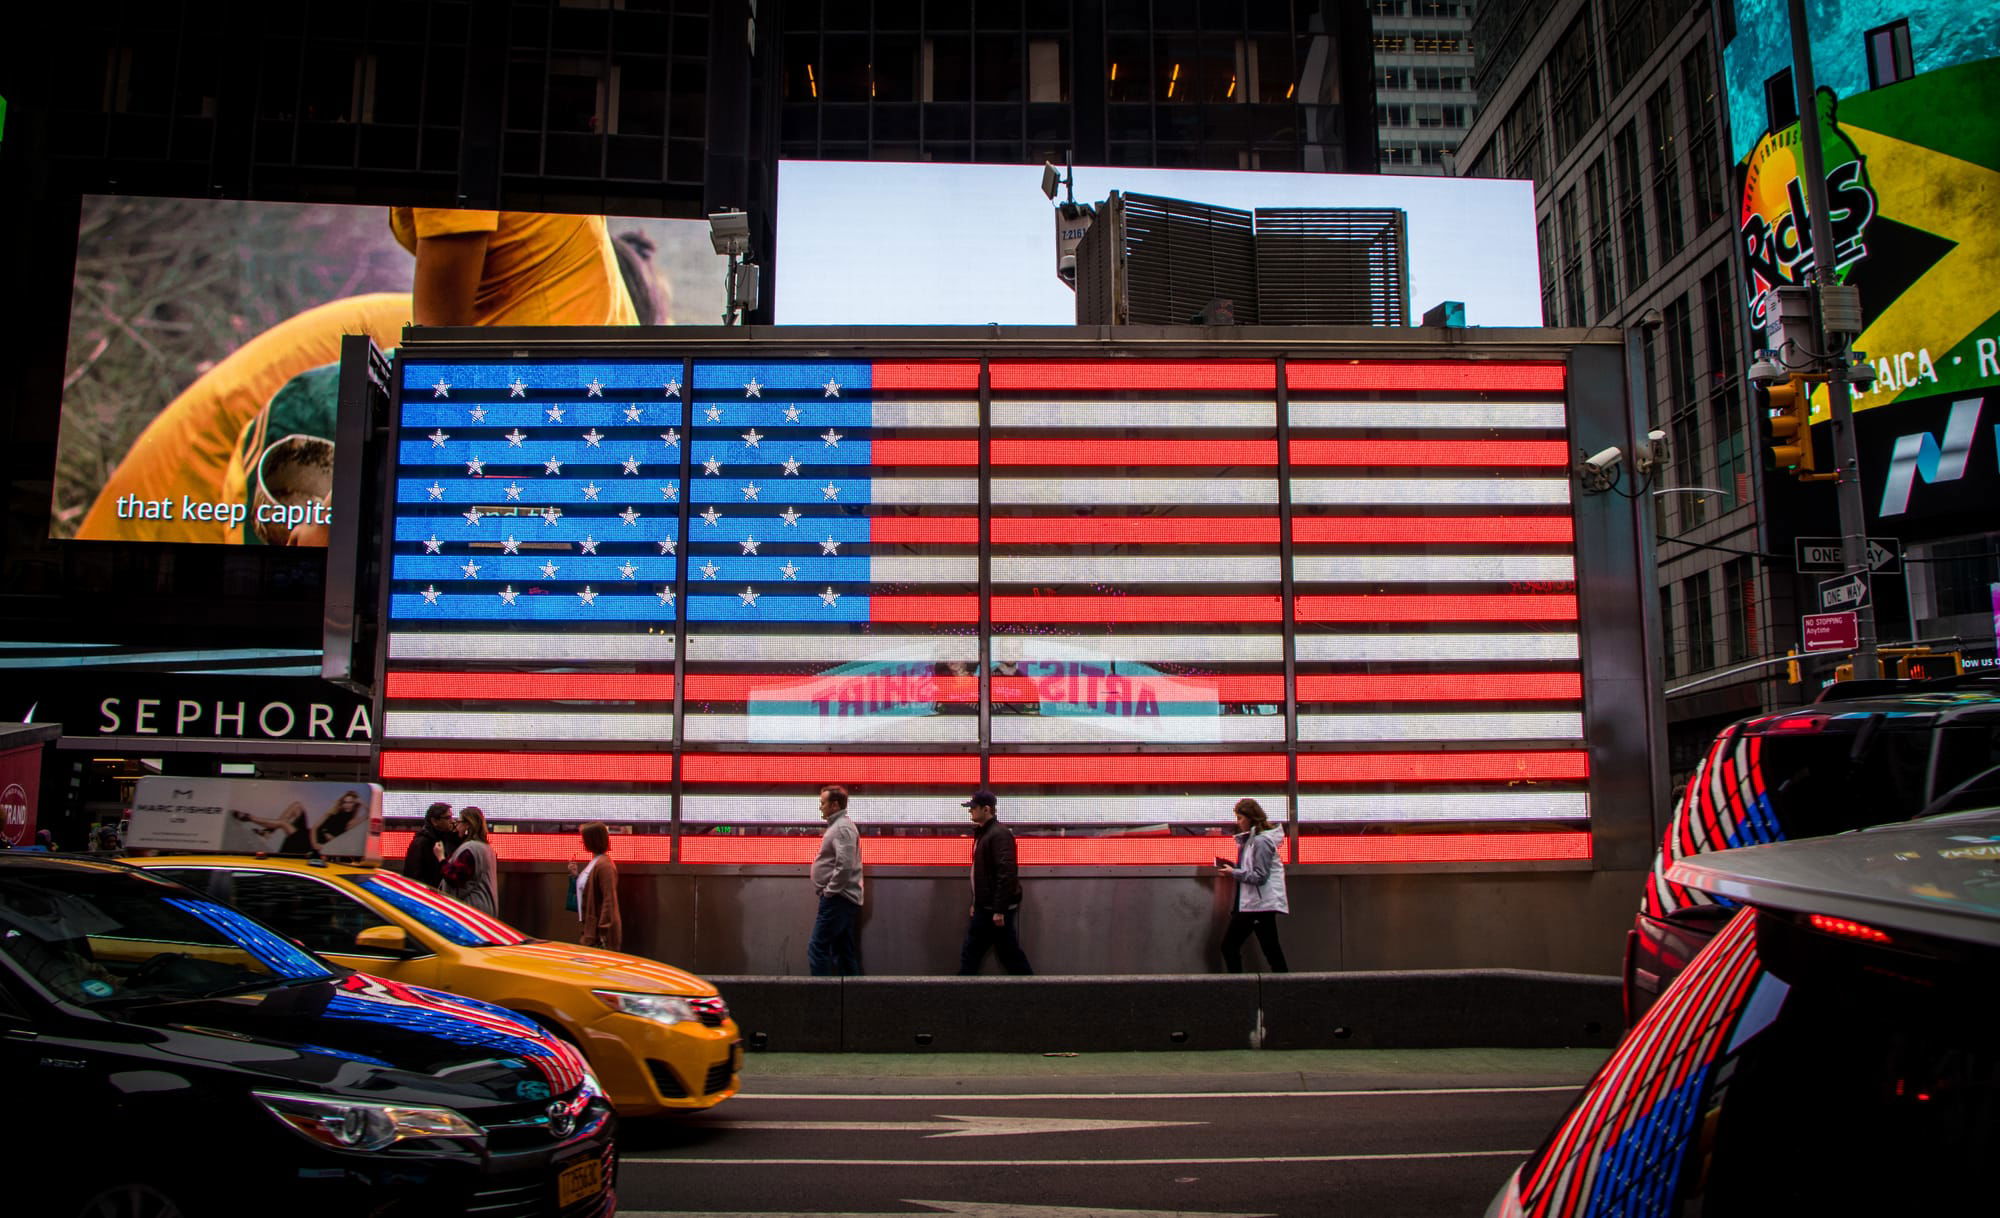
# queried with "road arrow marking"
point(955, 1126)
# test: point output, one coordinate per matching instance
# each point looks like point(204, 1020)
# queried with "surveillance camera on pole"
point(729, 234)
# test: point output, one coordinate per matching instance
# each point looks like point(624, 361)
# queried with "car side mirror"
point(383, 939)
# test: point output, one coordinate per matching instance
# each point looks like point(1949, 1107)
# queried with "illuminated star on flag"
point(553, 465)
point(749, 545)
point(594, 390)
point(431, 595)
point(829, 546)
point(631, 465)
point(549, 570)
point(672, 436)
point(751, 438)
point(711, 516)
point(515, 437)
point(708, 570)
point(750, 490)
point(474, 516)
point(713, 414)
point(592, 436)
point(748, 596)
point(666, 596)
point(667, 545)
point(437, 492)
point(591, 491)
point(673, 389)
point(626, 570)
point(830, 491)
point(513, 490)
point(517, 388)
point(475, 466)
point(632, 414)
point(555, 414)
point(478, 414)
point(588, 545)
point(437, 439)
point(587, 596)
point(791, 569)
point(507, 595)
point(791, 517)
point(441, 390)
point(431, 544)
point(670, 492)
point(629, 516)
point(832, 388)
point(832, 438)
point(829, 597)
point(791, 465)
point(551, 514)
point(755, 389)
point(510, 546)
point(471, 569)
point(791, 414)
point(712, 466)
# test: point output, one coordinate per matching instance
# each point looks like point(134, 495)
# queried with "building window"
point(1700, 622)
point(1704, 144)
point(1603, 262)
point(1739, 594)
point(1572, 86)
point(1725, 378)
point(1962, 577)
point(1569, 232)
point(1395, 116)
point(1667, 628)
point(1781, 102)
point(1521, 132)
point(1889, 54)
point(1551, 310)
point(1666, 172)
point(1631, 206)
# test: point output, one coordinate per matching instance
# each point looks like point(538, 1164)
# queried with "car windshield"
point(102, 937)
point(458, 922)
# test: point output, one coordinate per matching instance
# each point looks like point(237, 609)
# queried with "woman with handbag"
point(1260, 888)
point(472, 874)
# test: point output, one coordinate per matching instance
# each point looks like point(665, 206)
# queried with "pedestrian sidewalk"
point(1222, 1070)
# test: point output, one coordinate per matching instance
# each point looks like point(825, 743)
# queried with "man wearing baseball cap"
point(996, 892)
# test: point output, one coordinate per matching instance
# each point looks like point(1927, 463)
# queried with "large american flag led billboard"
point(680, 595)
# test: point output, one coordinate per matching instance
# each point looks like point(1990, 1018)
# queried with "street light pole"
point(1846, 456)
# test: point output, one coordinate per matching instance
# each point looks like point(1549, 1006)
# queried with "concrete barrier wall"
point(1479, 1008)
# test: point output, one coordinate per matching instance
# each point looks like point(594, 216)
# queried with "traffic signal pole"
point(1846, 456)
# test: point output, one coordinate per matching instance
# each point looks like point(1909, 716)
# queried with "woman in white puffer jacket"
point(1260, 888)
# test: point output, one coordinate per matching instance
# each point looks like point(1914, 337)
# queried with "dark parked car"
point(166, 1055)
point(1830, 1051)
point(1868, 753)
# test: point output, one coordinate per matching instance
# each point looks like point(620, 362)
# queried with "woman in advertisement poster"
point(597, 891)
point(338, 819)
point(472, 874)
point(291, 822)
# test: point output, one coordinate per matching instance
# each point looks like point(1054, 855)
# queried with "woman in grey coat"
point(1260, 888)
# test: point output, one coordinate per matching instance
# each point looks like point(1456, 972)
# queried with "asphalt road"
point(1429, 1136)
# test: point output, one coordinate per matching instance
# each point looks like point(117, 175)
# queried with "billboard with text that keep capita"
point(1912, 172)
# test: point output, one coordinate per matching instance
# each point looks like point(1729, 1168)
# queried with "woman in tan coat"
point(597, 891)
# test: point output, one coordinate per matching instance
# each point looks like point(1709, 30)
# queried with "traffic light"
point(1923, 664)
point(1788, 413)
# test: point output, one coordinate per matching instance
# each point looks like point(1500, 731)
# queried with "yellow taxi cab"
point(659, 1039)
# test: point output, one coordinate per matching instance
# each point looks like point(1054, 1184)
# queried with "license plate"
point(578, 1181)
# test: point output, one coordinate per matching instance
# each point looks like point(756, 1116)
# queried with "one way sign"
point(1884, 555)
point(1846, 592)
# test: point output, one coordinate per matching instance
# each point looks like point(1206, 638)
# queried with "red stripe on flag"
point(741, 687)
point(897, 768)
point(1124, 452)
point(923, 608)
point(546, 767)
point(1426, 530)
point(1440, 687)
point(1136, 609)
point(1199, 851)
point(1423, 374)
point(1055, 376)
point(1249, 687)
point(923, 452)
point(1430, 452)
point(1550, 765)
point(1443, 847)
point(927, 374)
point(555, 847)
point(532, 687)
point(1501, 608)
point(1073, 769)
point(963, 530)
point(1108, 530)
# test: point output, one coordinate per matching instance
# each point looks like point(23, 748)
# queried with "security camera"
point(1652, 454)
point(1765, 368)
point(1861, 373)
point(1066, 268)
point(1603, 461)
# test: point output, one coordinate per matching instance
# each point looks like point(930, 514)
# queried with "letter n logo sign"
point(1919, 454)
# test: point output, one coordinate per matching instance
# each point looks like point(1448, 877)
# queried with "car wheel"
point(133, 1199)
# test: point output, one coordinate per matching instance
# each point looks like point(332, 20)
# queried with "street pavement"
point(1131, 1135)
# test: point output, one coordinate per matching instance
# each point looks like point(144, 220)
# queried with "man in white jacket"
point(835, 947)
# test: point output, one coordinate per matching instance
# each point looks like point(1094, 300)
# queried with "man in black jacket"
point(996, 892)
point(431, 846)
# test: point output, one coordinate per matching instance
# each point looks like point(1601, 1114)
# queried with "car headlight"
point(351, 1125)
point(665, 1008)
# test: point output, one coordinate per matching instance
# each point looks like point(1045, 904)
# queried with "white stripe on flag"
point(560, 648)
point(504, 806)
point(1162, 729)
point(1114, 491)
point(1469, 725)
point(503, 727)
point(1135, 569)
point(944, 809)
point(1181, 416)
point(924, 414)
point(830, 648)
point(1430, 568)
point(1355, 648)
point(923, 490)
point(1538, 415)
point(1346, 491)
point(924, 569)
point(1417, 806)
point(831, 729)
point(1145, 648)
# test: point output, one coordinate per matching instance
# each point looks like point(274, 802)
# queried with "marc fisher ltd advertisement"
point(252, 816)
